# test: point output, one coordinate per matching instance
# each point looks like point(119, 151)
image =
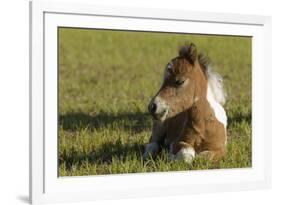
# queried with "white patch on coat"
point(216, 96)
point(185, 154)
point(150, 148)
point(215, 83)
point(217, 107)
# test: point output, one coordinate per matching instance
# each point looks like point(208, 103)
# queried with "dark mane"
point(189, 52)
point(204, 62)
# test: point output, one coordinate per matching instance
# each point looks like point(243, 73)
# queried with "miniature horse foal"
point(188, 115)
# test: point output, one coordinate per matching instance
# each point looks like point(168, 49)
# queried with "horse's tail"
point(215, 83)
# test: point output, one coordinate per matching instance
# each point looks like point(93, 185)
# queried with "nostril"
point(152, 108)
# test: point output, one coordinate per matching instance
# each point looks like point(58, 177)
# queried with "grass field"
point(106, 80)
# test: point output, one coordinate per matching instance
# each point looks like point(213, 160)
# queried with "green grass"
point(106, 79)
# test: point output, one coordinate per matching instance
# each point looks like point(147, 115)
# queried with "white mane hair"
point(215, 81)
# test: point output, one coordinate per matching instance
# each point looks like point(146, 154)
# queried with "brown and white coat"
point(188, 114)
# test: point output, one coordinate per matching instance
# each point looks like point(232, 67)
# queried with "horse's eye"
point(179, 82)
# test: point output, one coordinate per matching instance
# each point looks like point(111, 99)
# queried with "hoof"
point(185, 154)
point(151, 149)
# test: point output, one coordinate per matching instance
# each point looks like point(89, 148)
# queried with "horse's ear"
point(192, 53)
point(189, 52)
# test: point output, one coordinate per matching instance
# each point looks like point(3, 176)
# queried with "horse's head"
point(180, 86)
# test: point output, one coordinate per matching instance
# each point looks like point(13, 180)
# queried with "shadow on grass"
point(103, 155)
point(132, 121)
point(239, 118)
point(114, 150)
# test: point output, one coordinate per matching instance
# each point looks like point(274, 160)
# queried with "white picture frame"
point(46, 187)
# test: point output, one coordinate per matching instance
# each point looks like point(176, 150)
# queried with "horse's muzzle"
point(152, 107)
point(158, 109)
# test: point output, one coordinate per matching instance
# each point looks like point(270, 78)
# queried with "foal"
point(188, 115)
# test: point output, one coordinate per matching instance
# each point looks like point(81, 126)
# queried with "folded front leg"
point(153, 147)
point(182, 151)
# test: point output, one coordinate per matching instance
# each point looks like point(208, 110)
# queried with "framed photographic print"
point(130, 102)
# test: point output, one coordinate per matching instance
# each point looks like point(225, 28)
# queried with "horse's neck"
point(200, 85)
point(199, 109)
point(200, 106)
